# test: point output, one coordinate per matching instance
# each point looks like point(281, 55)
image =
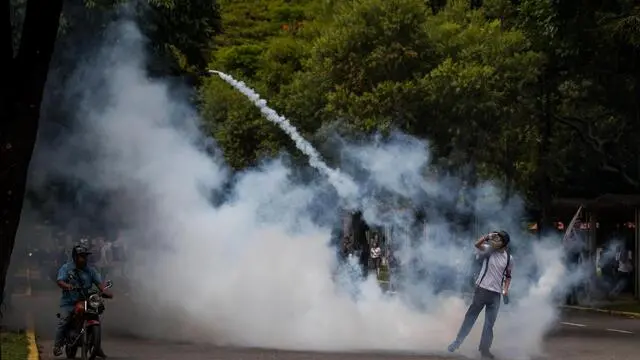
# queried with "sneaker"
point(486, 354)
point(454, 346)
point(57, 351)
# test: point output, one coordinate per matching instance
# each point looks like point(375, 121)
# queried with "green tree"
point(182, 31)
point(265, 46)
point(585, 98)
point(457, 79)
point(540, 95)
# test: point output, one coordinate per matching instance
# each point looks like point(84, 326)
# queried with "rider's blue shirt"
point(85, 278)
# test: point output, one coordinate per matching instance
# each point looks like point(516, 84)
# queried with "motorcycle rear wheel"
point(71, 351)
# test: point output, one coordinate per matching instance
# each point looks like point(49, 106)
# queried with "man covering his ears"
point(493, 280)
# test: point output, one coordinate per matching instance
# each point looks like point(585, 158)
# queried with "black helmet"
point(505, 237)
point(79, 249)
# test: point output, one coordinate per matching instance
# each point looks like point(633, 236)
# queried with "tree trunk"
point(22, 95)
point(508, 170)
point(469, 192)
point(544, 184)
point(636, 73)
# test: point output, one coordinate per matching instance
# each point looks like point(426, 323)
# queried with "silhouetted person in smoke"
point(104, 259)
point(361, 243)
point(574, 246)
point(393, 268)
point(494, 280)
point(364, 258)
point(376, 256)
point(61, 257)
point(624, 270)
point(605, 271)
point(346, 247)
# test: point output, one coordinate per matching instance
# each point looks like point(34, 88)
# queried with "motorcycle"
point(84, 329)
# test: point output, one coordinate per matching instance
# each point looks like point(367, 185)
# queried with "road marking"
point(633, 315)
point(583, 325)
point(620, 331)
point(573, 324)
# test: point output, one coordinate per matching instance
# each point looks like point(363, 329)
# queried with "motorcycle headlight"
point(95, 301)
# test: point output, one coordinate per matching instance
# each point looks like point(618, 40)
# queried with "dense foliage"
point(541, 95)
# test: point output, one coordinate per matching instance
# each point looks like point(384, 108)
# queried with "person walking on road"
point(493, 280)
point(104, 259)
point(624, 270)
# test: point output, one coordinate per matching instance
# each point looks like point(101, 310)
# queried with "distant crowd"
point(373, 254)
point(610, 268)
point(107, 255)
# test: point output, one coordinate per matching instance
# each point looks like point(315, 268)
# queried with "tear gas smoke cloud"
point(256, 270)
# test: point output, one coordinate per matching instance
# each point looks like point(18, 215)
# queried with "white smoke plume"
point(343, 184)
point(257, 270)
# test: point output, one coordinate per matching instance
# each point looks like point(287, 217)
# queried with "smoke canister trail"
point(569, 230)
point(344, 185)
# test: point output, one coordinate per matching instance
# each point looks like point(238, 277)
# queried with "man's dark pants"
point(481, 298)
point(572, 263)
point(621, 282)
point(63, 323)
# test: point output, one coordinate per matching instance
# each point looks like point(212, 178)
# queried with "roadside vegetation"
point(14, 345)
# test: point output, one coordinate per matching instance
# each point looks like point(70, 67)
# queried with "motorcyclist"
point(84, 278)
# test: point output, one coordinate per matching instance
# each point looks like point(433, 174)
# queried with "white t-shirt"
point(624, 265)
point(376, 252)
point(493, 271)
point(105, 254)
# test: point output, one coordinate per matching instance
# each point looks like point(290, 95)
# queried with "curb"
point(34, 354)
point(603, 311)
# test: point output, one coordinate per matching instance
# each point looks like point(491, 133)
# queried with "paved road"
point(578, 336)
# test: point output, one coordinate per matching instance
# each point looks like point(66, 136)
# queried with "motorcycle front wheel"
point(71, 351)
point(91, 343)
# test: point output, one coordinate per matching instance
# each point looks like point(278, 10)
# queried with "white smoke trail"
point(344, 185)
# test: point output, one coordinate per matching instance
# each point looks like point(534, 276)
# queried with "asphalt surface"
point(578, 335)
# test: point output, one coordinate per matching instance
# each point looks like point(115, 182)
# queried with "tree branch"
point(587, 134)
point(617, 170)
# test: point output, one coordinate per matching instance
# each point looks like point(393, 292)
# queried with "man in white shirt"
point(104, 262)
point(493, 280)
point(624, 259)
